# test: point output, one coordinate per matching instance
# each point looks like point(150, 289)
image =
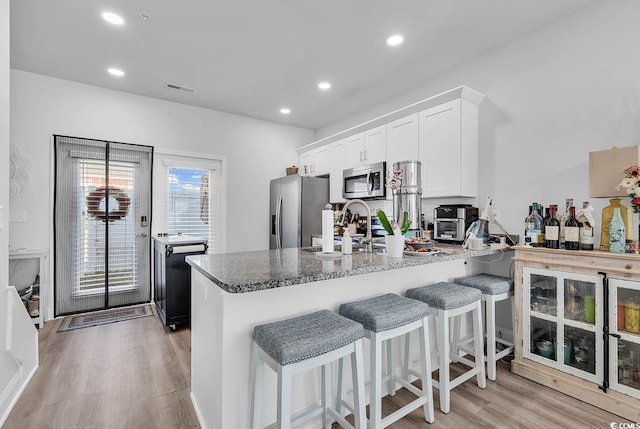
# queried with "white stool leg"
point(455, 338)
point(357, 374)
point(257, 365)
point(284, 397)
point(340, 394)
point(375, 381)
point(490, 308)
point(427, 382)
point(326, 395)
point(443, 352)
point(407, 356)
point(391, 384)
point(478, 344)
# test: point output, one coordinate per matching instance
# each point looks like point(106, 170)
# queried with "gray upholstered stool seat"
point(299, 338)
point(449, 300)
point(297, 345)
point(445, 295)
point(385, 312)
point(494, 288)
point(489, 284)
point(386, 317)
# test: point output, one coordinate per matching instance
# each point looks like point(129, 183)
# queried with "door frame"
point(51, 308)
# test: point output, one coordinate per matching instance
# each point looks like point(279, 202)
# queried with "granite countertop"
point(265, 269)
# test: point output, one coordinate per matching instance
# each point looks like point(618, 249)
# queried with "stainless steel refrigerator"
point(295, 209)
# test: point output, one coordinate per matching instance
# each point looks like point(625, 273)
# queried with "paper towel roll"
point(327, 231)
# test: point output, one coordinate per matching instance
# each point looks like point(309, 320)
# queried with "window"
point(188, 197)
point(188, 201)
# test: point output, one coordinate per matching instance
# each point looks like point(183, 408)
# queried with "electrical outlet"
point(17, 216)
point(495, 215)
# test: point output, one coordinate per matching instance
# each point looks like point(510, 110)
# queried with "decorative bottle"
point(572, 231)
point(564, 217)
point(617, 234)
point(607, 215)
point(552, 230)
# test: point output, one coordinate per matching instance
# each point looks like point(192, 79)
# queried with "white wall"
point(256, 151)
point(565, 90)
point(7, 367)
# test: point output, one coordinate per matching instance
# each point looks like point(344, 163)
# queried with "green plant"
point(404, 227)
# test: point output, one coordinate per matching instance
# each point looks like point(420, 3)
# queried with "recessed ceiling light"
point(112, 18)
point(285, 111)
point(116, 72)
point(324, 85)
point(395, 40)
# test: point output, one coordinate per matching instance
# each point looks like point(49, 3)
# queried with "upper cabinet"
point(402, 140)
point(448, 149)
point(441, 132)
point(368, 147)
point(338, 164)
point(316, 162)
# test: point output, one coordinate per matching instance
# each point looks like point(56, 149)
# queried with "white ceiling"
point(252, 57)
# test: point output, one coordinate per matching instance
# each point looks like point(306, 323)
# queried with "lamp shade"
point(606, 170)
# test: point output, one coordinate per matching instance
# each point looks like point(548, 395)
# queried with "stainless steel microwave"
point(366, 181)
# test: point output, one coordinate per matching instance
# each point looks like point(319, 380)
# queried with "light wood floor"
point(136, 374)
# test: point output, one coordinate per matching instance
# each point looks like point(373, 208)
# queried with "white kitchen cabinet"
point(354, 150)
point(448, 149)
point(315, 162)
point(338, 155)
point(402, 140)
point(368, 147)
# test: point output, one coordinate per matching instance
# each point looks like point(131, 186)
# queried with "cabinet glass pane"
point(543, 336)
point(580, 301)
point(629, 364)
point(543, 294)
point(628, 311)
point(580, 349)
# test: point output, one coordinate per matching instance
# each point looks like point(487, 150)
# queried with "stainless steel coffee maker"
point(408, 196)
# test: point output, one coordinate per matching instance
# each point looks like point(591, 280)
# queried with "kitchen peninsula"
point(233, 292)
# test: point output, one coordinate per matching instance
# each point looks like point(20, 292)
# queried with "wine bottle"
point(533, 226)
point(564, 217)
point(586, 228)
point(572, 231)
point(544, 226)
point(617, 233)
point(552, 230)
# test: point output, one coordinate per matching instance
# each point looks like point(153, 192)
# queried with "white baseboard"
point(197, 409)
point(12, 393)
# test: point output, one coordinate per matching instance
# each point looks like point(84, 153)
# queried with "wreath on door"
point(95, 198)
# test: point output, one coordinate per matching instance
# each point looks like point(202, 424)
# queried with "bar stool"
point(493, 288)
point(384, 318)
point(452, 300)
point(299, 344)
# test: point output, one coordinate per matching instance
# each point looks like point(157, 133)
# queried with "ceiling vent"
point(179, 87)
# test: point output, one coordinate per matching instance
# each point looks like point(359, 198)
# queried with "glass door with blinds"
point(102, 219)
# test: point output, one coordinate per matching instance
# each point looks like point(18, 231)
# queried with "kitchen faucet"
point(368, 243)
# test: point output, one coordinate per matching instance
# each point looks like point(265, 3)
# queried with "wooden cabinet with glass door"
point(568, 326)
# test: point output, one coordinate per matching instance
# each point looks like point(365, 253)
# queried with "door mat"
point(79, 321)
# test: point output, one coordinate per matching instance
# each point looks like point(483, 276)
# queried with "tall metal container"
point(408, 197)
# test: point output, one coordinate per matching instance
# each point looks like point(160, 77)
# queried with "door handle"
point(369, 183)
point(143, 234)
